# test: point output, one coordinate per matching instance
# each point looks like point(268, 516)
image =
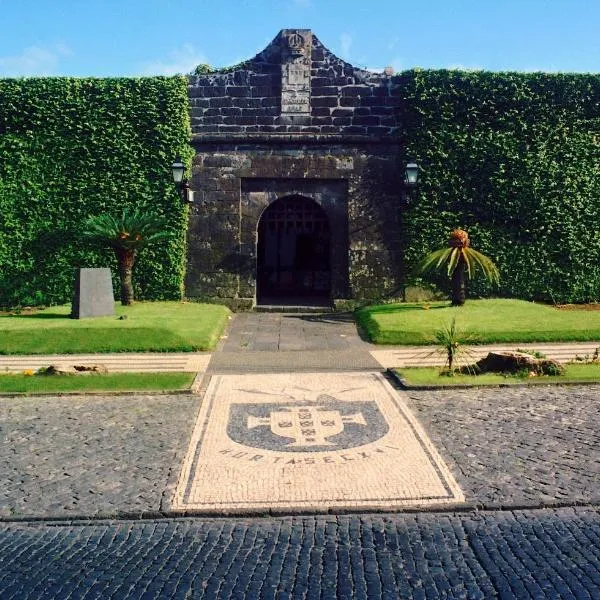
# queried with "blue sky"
point(151, 37)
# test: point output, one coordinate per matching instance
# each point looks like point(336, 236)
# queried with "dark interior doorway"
point(293, 254)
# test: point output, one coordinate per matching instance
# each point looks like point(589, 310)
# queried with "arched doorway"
point(293, 251)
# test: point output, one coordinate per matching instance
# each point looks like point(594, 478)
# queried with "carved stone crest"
point(295, 43)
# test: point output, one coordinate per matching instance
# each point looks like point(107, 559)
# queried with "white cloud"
point(345, 45)
point(181, 60)
point(34, 60)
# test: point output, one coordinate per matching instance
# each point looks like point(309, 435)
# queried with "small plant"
point(587, 359)
point(552, 369)
point(523, 373)
point(460, 261)
point(451, 341)
point(202, 69)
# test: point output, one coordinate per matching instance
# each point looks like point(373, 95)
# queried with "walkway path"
point(108, 455)
point(280, 342)
point(115, 458)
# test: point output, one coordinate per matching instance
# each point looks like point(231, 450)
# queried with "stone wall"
point(333, 139)
point(344, 100)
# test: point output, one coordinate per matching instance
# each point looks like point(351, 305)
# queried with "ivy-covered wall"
point(514, 158)
point(71, 148)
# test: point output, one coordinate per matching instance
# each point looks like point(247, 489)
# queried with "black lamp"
point(182, 183)
point(411, 174)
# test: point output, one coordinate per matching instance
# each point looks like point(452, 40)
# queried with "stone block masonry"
point(266, 92)
point(293, 121)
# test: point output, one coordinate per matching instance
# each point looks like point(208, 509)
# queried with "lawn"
point(144, 327)
point(116, 382)
point(425, 376)
point(485, 321)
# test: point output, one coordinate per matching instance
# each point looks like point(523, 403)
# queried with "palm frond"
point(475, 259)
point(132, 229)
point(434, 259)
point(453, 261)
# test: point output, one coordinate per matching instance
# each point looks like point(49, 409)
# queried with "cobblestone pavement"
point(90, 455)
point(102, 455)
point(511, 447)
point(526, 554)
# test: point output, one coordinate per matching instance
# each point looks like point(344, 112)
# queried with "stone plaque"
point(295, 72)
point(298, 76)
point(93, 296)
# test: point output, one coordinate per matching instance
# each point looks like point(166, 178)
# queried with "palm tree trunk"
point(459, 283)
point(126, 260)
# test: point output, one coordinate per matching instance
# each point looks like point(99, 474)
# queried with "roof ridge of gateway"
point(290, 41)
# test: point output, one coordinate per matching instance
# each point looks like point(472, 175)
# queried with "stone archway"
point(293, 251)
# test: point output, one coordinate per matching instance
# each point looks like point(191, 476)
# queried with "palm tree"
point(127, 235)
point(460, 260)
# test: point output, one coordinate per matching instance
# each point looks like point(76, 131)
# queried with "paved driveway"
point(104, 455)
point(518, 447)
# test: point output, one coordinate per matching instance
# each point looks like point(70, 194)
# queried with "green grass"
point(486, 321)
point(417, 376)
point(116, 382)
point(148, 327)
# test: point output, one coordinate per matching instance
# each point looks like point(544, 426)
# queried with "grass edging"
point(405, 385)
point(17, 384)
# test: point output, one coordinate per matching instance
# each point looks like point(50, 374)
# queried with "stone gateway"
point(297, 178)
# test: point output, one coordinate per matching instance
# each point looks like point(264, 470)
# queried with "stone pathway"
point(281, 332)
point(109, 456)
point(517, 447)
point(89, 455)
point(287, 342)
point(508, 555)
point(114, 455)
point(309, 442)
point(77, 456)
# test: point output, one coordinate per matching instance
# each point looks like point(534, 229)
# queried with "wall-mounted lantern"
point(183, 185)
point(411, 174)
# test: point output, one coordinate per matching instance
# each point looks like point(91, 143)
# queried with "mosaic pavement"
point(309, 441)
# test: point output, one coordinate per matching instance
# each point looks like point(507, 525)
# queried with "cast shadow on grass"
point(40, 316)
point(400, 307)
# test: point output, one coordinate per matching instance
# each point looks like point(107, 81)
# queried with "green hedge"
point(71, 148)
point(514, 158)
